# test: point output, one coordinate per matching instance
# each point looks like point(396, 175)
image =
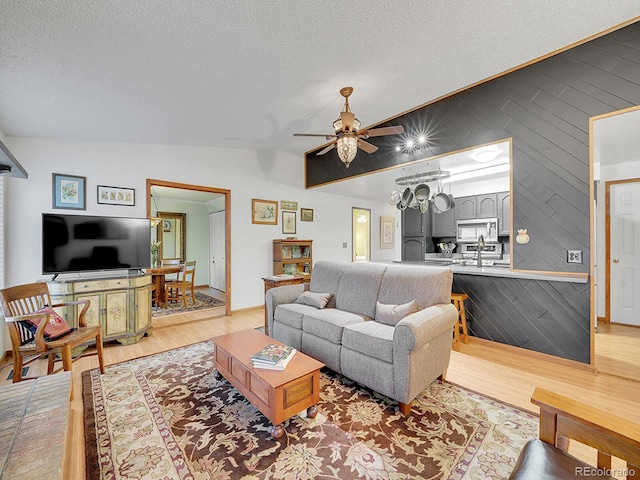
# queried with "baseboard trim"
point(536, 355)
point(247, 309)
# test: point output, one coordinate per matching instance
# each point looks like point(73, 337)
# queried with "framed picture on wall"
point(306, 214)
point(264, 212)
point(69, 192)
point(387, 231)
point(288, 222)
point(116, 196)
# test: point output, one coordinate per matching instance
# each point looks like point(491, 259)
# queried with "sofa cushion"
point(329, 323)
point(316, 300)
point(291, 314)
point(326, 275)
point(392, 314)
point(370, 338)
point(358, 288)
point(427, 285)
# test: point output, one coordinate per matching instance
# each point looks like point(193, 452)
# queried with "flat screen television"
point(81, 243)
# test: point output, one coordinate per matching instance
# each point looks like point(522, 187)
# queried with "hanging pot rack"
point(425, 177)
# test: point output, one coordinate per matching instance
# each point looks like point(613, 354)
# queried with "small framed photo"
point(69, 192)
point(288, 222)
point(287, 205)
point(387, 231)
point(116, 196)
point(264, 212)
point(306, 214)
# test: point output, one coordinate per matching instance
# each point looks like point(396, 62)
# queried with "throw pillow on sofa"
point(392, 314)
point(316, 300)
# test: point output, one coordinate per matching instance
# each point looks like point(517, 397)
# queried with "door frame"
point(607, 247)
point(227, 211)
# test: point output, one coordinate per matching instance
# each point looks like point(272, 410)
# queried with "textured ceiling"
point(248, 74)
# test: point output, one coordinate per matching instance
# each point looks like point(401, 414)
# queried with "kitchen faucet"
point(480, 248)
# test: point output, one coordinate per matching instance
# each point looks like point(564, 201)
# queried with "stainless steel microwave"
point(468, 231)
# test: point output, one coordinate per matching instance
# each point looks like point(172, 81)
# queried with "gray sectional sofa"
point(356, 333)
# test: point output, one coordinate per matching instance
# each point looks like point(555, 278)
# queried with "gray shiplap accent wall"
point(547, 317)
point(545, 107)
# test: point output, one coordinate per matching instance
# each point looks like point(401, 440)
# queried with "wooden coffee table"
point(279, 395)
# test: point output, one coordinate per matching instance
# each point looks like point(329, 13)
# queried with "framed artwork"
point(387, 231)
point(264, 212)
point(166, 225)
point(287, 205)
point(306, 214)
point(116, 196)
point(288, 222)
point(69, 192)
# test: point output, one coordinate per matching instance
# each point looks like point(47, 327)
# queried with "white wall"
point(620, 171)
point(247, 173)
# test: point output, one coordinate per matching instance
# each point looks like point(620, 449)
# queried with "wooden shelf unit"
point(292, 257)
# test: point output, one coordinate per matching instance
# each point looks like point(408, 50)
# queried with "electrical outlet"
point(574, 256)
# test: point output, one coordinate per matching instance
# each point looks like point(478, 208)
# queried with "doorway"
point(361, 221)
point(209, 193)
point(615, 161)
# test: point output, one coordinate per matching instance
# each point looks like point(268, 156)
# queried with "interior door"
point(217, 266)
point(624, 253)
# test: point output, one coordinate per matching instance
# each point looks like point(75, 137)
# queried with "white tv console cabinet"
point(121, 305)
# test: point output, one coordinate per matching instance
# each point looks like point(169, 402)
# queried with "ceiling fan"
point(347, 137)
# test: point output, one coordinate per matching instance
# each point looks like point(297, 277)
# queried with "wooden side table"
point(271, 282)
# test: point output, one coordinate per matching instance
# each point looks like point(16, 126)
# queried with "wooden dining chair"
point(25, 303)
point(170, 262)
point(184, 286)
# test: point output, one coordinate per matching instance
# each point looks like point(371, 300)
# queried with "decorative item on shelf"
point(155, 247)
point(523, 236)
point(447, 249)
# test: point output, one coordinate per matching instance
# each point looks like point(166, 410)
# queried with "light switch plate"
point(344, 245)
point(574, 256)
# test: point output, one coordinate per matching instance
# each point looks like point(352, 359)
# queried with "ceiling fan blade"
point(326, 135)
point(366, 146)
point(325, 150)
point(379, 132)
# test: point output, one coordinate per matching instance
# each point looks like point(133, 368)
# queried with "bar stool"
point(458, 301)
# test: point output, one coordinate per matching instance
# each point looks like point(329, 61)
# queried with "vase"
point(154, 260)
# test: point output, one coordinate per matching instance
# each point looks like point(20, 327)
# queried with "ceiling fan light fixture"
point(337, 125)
point(347, 146)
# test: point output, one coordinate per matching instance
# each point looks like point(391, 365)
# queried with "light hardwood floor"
point(504, 375)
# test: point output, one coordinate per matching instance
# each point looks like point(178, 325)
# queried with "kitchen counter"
point(502, 271)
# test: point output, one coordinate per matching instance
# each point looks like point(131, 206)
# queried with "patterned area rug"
point(202, 301)
point(166, 417)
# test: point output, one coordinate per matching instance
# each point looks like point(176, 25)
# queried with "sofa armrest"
point(279, 296)
point(421, 327)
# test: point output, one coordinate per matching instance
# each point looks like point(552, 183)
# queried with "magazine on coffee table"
point(280, 365)
point(272, 354)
